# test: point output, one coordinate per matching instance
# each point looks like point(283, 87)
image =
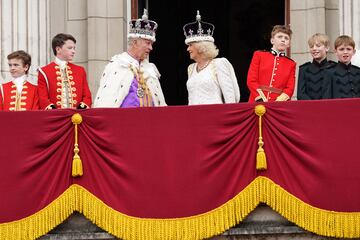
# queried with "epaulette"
point(305, 64)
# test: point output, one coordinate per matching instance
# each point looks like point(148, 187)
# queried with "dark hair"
point(60, 39)
point(22, 55)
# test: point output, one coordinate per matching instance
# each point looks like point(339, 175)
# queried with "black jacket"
point(344, 81)
point(310, 80)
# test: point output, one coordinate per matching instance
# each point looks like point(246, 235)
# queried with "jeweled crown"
point(142, 28)
point(198, 31)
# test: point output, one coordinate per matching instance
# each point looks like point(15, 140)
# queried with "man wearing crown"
point(63, 84)
point(129, 80)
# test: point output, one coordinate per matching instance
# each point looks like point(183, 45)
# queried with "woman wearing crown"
point(211, 80)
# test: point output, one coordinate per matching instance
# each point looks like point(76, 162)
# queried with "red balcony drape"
point(182, 169)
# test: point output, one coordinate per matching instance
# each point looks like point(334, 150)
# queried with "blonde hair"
point(319, 37)
point(206, 49)
point(344, 39)
point(281, 28)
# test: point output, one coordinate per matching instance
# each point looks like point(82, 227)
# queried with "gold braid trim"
point(214, 222)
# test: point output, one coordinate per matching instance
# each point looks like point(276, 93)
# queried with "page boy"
point(311, 77)
point(63, 84)
point(271, 75)
point(19, 94)
point(343, 80)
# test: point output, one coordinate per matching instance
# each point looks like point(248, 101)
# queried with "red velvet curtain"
point(171, 162)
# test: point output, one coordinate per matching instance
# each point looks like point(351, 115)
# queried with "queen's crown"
point(198, 31)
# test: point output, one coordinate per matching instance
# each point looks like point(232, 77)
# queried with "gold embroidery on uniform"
point(19, 99)
point(64, 90)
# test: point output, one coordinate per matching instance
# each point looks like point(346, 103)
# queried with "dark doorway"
point(241, 27)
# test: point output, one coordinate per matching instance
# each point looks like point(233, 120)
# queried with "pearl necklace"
point(203, 67)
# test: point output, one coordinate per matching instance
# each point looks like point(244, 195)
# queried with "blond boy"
point(311, 77)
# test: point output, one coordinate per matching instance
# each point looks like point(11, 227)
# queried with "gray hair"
point(130, 42)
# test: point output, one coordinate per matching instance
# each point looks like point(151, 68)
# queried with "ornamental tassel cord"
point(260, 155)
point(77, 169)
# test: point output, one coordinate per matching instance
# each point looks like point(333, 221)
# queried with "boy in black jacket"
point(310, 80)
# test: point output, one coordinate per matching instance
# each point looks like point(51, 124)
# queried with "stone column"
point(308, 17)
point(349, 23)
point(106, 35)
point(99, 28)
point(24, 26)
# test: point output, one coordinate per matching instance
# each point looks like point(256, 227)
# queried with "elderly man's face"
point(143, 48)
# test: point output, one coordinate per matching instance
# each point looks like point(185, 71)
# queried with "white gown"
point(215, 84)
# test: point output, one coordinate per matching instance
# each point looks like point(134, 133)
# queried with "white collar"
point(20, 80)
point(19, 83)
point(62, 64)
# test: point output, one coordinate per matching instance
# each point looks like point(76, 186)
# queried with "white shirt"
point(62, 64)
point(19, 83)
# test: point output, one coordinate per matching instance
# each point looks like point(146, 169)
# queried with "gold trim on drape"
point(214, 222)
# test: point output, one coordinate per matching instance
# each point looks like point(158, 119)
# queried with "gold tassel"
point(261, 159)
point(261, 164)
point(77, 169)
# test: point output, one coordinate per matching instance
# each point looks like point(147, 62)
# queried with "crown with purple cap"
point(142, 28)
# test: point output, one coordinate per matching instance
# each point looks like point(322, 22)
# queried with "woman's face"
point(193, 51)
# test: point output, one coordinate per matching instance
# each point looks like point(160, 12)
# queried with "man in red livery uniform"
point(271, 75)
point(19, 94)
point(61, 83)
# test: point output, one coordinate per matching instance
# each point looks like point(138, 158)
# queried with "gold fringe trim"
point(199, 226)
point(43, 221)
point(316, 220)
point(214, 222)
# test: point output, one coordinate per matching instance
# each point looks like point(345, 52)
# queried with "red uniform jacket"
point(270, 75)
point(27, 100)
point(50, 86)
